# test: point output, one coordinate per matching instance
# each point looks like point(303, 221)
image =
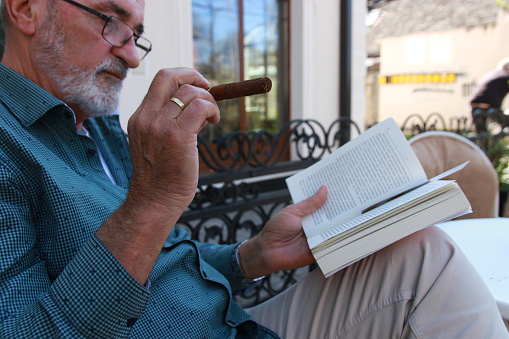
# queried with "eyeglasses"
point(117, 32)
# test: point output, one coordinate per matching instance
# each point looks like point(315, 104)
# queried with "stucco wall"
point(468, 52)
point(168, 25)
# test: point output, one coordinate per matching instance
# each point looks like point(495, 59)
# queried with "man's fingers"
point(312, 203)
point(167, 81)
point(178, 94)
point(199, 108)
point(187, 93)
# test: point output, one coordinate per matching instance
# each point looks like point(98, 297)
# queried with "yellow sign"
point(418, 78)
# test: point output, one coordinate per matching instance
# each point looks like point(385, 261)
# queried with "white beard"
point(94, 92)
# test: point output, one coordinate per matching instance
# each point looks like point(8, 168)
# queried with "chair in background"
point(439, 151)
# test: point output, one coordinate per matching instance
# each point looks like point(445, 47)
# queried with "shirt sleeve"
point(224, 258)
point(93, 297)
point(221, 257)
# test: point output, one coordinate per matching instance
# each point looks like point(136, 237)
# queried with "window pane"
point(215, 27)
point(264, 53)
point(261, 38)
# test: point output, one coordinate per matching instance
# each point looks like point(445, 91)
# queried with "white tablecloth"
point(486, 244)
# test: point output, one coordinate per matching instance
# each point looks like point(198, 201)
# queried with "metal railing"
point(242, 181)
point(242, 186)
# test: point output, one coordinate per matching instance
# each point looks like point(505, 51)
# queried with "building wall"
point(314, 68)
point(468, 52)
point(168, 25)
point(359, 31)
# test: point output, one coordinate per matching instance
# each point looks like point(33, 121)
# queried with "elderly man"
point(88, 245)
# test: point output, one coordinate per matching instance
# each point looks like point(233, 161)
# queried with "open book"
point(378, 193)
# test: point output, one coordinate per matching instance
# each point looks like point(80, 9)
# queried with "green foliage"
point(497, 149)
point(503, 3)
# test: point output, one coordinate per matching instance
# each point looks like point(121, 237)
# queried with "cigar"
point(241, 89)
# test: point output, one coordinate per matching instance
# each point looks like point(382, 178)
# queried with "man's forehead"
point(123, 7)
point(132, 11)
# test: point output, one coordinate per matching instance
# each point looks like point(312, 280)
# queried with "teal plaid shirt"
point(57, 278)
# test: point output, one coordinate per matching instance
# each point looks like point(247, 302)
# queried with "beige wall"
point(470, 52)
point(168, 25)
point(359, 31)
point(314, 56)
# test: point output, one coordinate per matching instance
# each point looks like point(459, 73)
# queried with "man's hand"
point(163, 138)
point(282, 244)
point(162, 143)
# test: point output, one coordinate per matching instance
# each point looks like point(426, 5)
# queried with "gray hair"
point(4, 16)
point(3, 12)
point(3, 20)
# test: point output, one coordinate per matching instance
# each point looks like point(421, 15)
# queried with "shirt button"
point(91, 152)
point(131, 322)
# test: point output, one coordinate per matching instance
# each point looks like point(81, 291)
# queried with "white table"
point(486, 244)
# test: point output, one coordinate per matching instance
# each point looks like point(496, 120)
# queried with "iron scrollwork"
point(415, 124)
point(243, 186)
point(260, 149)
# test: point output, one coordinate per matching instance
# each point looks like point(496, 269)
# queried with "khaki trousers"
point(420, 287)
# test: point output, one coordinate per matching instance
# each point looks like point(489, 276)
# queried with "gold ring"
point(178, 102)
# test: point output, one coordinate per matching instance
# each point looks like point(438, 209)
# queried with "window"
point(238, 40)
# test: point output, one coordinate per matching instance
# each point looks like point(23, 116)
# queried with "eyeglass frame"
point(107, 19)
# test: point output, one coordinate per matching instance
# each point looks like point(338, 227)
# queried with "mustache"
point(113, 66)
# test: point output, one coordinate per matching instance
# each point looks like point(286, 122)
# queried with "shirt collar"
point(26, 100)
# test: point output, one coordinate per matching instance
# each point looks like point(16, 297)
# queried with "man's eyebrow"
point(123, 14)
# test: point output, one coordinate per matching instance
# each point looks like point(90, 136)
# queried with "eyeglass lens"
point(118, 33)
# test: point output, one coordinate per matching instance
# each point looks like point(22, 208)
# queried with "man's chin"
point(105, 111)
point(99, 106)
point(95, 98)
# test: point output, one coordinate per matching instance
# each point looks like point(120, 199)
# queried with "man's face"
point(86, 72)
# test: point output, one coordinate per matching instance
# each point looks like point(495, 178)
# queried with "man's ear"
point(24, 14)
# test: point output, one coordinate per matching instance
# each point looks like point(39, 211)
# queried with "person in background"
point(486, 100)
point(88, 244)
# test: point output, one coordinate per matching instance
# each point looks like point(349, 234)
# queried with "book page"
point(374, 166)
point(449, 204)
point(393, 207)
